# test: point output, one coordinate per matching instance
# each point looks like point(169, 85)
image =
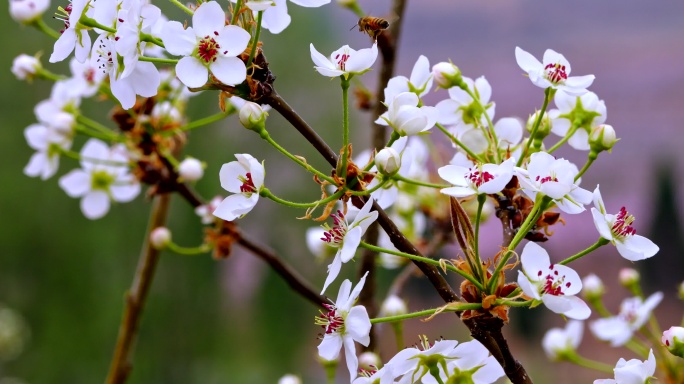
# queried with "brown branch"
point(136, 296)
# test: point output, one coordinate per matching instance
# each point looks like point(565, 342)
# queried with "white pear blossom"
point(554, 284)
point(462, 111)
point(558, 343)
point(104, 177)
point(206, 211)
point(633, 371)
point(406, 117)
point(75, 35)
point(673, 340)
point(634, 312)
point(618, 230)
point(587, 111)
point(554, 178)
point(85, 78)
point(208, 46)
point(412, 362)
point(25, 66)
point(470, 363)
point(275, 17)
point(346, 237)
point(48, 144)
point(553, 72)
point(344, 61)
point(419, 83)
point(482, 179)
point(58, 112)
point(383, 375)
point(190, 169)
point(344, 324)
point(135, 18)
point(245, 179)
point(27, 11)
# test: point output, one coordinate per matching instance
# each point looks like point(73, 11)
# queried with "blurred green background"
point(234, 321)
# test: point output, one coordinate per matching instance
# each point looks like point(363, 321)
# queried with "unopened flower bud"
point(27, 11)
point(602, 138)
point(160, 238)
point(25, 67)
point(629, 277)
point(190, 169)
point(369, 361)
point(252, 116)
point(388, 161)
point(393, 306)
point(166, 113)
point(673, 339)
point(290, 379)
point(544, 125)
point(447, 75)
point(592, 287)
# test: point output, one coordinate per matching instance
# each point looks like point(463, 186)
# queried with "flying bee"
point(373, 26)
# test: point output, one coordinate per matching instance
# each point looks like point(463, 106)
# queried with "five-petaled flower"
point(554, 72)
point(344, 61)
point(632, 372)
point(244, 178)
point(634, 312)
point(554, 284)
point(483, 178)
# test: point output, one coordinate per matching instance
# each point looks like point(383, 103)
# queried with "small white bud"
point(252, 116)
point(673, 340)
point(393, 306)
point(628, 277)
point(544, 125)
point(25, 67)
point(160, 238)
point(388, 161)
point(592, 287)
point(446, 75)
point(27, 11)
point(602, 138)
point(190, 169)
point(369, 361)
point(289, 379)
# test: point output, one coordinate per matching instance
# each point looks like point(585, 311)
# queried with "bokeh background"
point(234, 321)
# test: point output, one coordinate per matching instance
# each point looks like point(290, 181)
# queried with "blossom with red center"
point(633, 371)
point(553, 72)
point(244, 178)
point(554, 284)
point(344, 324)
point(344, 61)
point(634, 312)
point(618, 230)
point(208, 46)
point(554, 178)
point(479, 179)
point(75, 35)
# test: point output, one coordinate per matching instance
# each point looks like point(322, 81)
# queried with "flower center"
point(101, 180)
point(335, 235)
point(208, 49)
point(546, 179)
point(555, 73)
point(247, 184)
point(623, 224)
point(341, 60)
point(63, 14)
point(554, 282)
point(105, 59)
point(332, 321)
point(477, 177)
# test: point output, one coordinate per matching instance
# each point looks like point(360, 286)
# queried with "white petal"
point(230, 176)
point(95, 204)
point(526, 61)
point(276, 19)
point(358, 325)
point(229, 70)
point(333, 271)
point(636, 248)
point(534, 259)
point(421, 71)
point(235, 206)
point(310, 3)
point(126, 192)
point(191, 72)
point(145, 79)
point(208, 18)
point(75, 183)
point(330, 347)
point(458, 191)
point(351, 242)
point(526, 285)
point(601, 224)
point(177, 40)
point(64, 45)
point(123, 90)
point(350, 357)
point(362, 60)
point(233, 39)
point(319, 59)
point(579, 82)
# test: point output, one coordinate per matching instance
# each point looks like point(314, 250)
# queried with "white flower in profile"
point(586, 110)
point(470, 363)
point(554, 284)
point(74, 35)
point(344, 61)
point(206, 211)
point(25, 66)
point(48, 145)
point(559, 343)
point(483, 178)
point(245, 179)
point(554, 72)
point(634, 312)
point(554, 178)
point(406, 117)
point(58, 112)
point(618, 230)
point(208, 46)
point(346, 237)
point(413, 362)
point(673, 340)
point(383, 375)
point(27, 11)
point(344, 324)
point(104, 177)
point(419, 83)
point(632, 372)
point(462, 111)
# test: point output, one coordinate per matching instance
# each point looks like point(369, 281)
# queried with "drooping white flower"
point(634, 312)
point(553, 72)
point(462, 111)
point(104, 177)
point(632, 372)
point(346, 237)
point(554, 178)
point(554, 284)
point(406, 117)
point(206, 211)
point(558, 343)
point(344, 61)
point(344, 324)
point(414, 362)
point(48, 144)
point(74, 35)
point(245, 179)
point(470, 363)
point(419, 83)
point(58, 112)
point(585, 111)
point(484, 178)
point(208, 46)
point(27, 11)
point(25, 66)
point(618, 230)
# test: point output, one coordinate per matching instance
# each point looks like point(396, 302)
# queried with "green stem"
point(586, 166)
point(76, 156)
point(591, 364)
point(434, 371)
point(189, 251)
point(92, 23)
point(265, 192)
point(638, 348)
point(458, 142)
point(236, 12)
point(47, 75)
point(513, 303)
point(567, 136)
point(95, 125)
point(264, 135)
point(146, 37)
point(481, 199)
point(256, 39)
point(598, 244)
point(424, 260)
point(535, 127)
point(200, 123)
point(182, 7)
point(398, 328)
point(345, 126)
point(418, 182)
point(159, 60)
point(41, 26)
point(369, 191)
point(96, 134)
